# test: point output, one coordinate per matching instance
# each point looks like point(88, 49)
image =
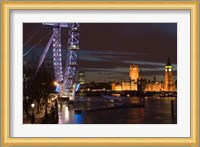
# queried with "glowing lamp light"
point(55, 83)
point(32, 105)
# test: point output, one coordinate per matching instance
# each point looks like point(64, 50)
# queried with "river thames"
point(156, 110)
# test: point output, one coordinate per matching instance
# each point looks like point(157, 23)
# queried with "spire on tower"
point(154, 79)
point(168, 62)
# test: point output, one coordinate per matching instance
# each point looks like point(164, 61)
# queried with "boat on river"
point(113, 99)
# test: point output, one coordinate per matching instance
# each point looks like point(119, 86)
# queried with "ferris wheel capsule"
point(75, 29)
point(74, 47)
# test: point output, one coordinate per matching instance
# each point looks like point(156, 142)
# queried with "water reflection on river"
point(156, 111)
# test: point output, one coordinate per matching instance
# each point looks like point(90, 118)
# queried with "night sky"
point(107, 49)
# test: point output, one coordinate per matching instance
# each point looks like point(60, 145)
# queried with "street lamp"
point(33, 115)
point(55, 83)
point(32, 105)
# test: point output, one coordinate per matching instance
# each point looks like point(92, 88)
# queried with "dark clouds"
point(107, 49)
point(148, 39)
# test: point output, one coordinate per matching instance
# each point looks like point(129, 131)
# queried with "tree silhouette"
point(36, 87)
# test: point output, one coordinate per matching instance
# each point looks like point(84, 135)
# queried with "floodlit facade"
point(154, 86)
point(133, 72)
point(132, 84)
point(139, 83)
point(124, 86)
point(169, 83)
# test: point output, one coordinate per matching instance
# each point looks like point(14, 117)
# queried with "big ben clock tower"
point(168, 76)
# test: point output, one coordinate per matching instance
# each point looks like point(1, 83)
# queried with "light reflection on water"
point(156, 111)
point(67, 116)
point(78, 118)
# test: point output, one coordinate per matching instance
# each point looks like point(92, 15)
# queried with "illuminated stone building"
point(132, 84)
point(138, 82)
point(169, 84)
point(116, 86)
point(124, 86)
point(133, 75)
point(154, 85)
point(133, 72)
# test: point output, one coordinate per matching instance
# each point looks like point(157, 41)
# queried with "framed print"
point(100, 73)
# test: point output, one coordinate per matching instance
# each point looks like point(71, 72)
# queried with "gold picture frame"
point(7, 6)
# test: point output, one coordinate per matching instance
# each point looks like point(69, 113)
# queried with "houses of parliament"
point(139, 83)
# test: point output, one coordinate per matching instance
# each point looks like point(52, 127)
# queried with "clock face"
point(166, 69)
point(170, 69)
